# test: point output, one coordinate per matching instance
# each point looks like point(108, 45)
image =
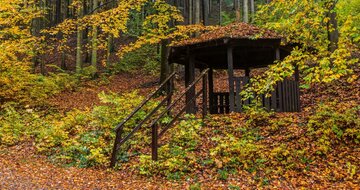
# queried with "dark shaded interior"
point(247, 53)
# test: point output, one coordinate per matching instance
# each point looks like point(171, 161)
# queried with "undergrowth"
point(258, 142)
point(79, 138)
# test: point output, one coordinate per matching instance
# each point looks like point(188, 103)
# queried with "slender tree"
point(252, 8)
point(79, 40)
point(237, 10)
point(332, 25)
point(94, 38)
point(246, 11)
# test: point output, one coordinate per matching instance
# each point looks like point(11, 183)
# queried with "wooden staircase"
point(169, 104)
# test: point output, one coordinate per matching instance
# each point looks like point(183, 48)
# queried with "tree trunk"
point(246, 11)
point(220, 10)
point(191, 12)
point(94, 40)
point(252, 8)
point(237, 10)
point(206, 11)
point(197, 12)
point(79, 40)
point(332, 27)
point(110, 49)
point(58, 12)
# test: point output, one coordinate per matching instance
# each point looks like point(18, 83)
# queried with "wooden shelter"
point(236, 46)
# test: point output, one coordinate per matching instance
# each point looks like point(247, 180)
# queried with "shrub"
point(177, 157)
point(11, 126)
point(146, 57)
point(35, 89)
point(333, 124)
point(85, 138)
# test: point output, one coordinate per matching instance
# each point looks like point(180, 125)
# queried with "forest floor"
point(22, 168)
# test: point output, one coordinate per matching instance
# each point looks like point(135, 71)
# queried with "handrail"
point(178, 114)
point(144, 102)
point(154, 127)
point(179, 98)
point(119, 128)
point(155, 133)
point(143, 121)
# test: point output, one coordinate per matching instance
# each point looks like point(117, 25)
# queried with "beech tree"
point(324, 48)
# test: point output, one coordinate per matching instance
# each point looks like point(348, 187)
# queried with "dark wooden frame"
point(286, 94)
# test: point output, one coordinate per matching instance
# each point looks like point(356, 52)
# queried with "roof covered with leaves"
point(238, 30)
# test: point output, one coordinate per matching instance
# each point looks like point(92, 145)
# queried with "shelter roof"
point(238, 30)
point(252, 47)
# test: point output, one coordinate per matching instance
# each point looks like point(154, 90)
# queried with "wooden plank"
point(293, 95)
point(284, 95)
point(237, 94)
point(280, 98)
point(273, 100)
point(154, 142)
point(221, 99)
point(277, 54)
point(204, 93)
point(298, 96)
point(267, 102)
point(211, 90)
point(297, 75)
point(287, 97)
point(231, 78)
point(216, 104)
point(227, 106)
point(247, 72)
point(290, 96)
point(245, 82)
point(189, 78)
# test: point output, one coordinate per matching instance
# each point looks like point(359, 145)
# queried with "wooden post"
point(154, 142)
point(279, 87)
point(211, 90)
point(247, 72)
point(297, 75)
point(277, 54)
point(115, 148)
point(297, 86)
point(204, 93)
point(169, 92)
point(189, 78)
point(231, 78)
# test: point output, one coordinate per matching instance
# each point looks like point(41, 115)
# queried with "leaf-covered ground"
point(21, 167)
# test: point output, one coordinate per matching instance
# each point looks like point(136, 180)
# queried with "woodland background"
point(71, 70)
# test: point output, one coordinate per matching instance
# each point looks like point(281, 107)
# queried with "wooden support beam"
point(297, 75)
point(247, 72)
point(204, 93)
point(211, 90)
point(277, 54)
point(154, 142)
point(231, 78)
point(189, 78)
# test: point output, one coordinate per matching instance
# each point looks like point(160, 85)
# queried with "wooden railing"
point(284, 98)
point(168, 84)
point(156, 135)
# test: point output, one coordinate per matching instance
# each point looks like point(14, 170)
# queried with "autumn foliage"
point(56, 101)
